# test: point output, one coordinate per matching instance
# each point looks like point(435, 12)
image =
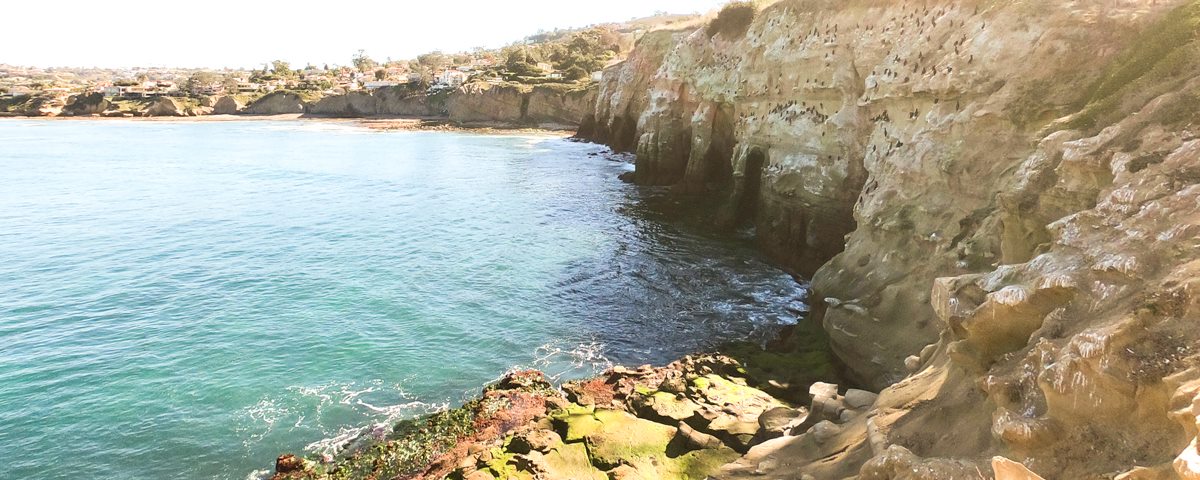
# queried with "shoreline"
point(691, 418)
point(377, 123)
point(694, 417)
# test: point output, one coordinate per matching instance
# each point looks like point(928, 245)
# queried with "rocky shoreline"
point(688, 419)
point(380, 123)
point(997, 206)
point(549, 107)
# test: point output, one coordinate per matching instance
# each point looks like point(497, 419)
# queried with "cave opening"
point(718, 166)
point(751, 196)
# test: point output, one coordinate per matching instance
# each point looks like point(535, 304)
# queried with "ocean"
point(191, 299)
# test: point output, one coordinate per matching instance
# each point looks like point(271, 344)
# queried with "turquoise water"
point(189, 300)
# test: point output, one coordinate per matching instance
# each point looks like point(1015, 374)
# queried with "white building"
point(377, 84)
point(452, 78)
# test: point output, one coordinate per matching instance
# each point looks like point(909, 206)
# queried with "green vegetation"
point(412, 445)
point(1162, 53)
point(362, 62)
point(733, 20)
point(575, 55)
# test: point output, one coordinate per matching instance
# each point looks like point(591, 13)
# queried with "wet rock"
point(523, 380)
point(288, 464)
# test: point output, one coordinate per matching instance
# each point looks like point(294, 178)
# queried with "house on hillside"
point(20, 91)
point(378, 84)
point(453, 78)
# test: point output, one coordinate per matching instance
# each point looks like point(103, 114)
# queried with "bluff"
point(999, 206)
point(472, 104)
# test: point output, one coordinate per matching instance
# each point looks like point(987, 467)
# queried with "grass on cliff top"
point(1162, 55)
point(733, 20)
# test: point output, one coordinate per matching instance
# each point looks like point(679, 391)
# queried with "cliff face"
point(473, 104)
point(86, 104)
point(276, 103)
point(998, 204)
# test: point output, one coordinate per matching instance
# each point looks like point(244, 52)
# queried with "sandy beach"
point(373, 123)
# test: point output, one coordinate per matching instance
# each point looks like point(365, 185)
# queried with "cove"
point(188, 299)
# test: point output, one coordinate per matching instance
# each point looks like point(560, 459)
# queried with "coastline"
point(379, 123)
point(685, 420)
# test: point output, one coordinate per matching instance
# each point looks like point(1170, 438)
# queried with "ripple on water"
point(223, 292)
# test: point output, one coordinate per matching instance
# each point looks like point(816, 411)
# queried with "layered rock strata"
point(998, 204)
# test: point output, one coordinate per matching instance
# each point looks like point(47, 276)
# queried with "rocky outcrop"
point(682, 421)
point(42, 105)
point(403, 101)
point(227, 105)
point(998, 208)
point(86, 104)
point(354, 104)
point(473, 104)
point(559, 105)
point(277, 103)
point(164, 107)
point(621, 95)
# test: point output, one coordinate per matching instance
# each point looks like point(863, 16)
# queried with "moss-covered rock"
point(664, 406)
point(570, 461)
point(624, 438)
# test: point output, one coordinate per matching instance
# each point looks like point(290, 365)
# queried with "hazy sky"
point(246, 33)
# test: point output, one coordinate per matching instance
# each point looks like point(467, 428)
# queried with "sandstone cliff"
point(545, 106)
point(163, 107)
point(227, 105)
point(998, 203)
point(277, 103)
point(86, 104)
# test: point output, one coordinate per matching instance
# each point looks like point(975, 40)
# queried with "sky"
point(248, 33)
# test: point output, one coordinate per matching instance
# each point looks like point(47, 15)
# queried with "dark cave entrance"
point(751, 195)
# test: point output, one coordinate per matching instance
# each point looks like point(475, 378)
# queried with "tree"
point(380, 74)
point(199, 80)
point(230, 83)
point(362, 62)
point(519, 61)
point(282, 69)
point(435, 60)
point(576, 73)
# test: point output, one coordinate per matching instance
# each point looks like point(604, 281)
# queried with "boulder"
point(774, 423)
point(86, 104)
point(277, 103)
point(164, 107)
point(288, 463)
point(227, 105)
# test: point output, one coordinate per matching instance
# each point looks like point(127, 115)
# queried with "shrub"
point(576, 73)
point(733, 20)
